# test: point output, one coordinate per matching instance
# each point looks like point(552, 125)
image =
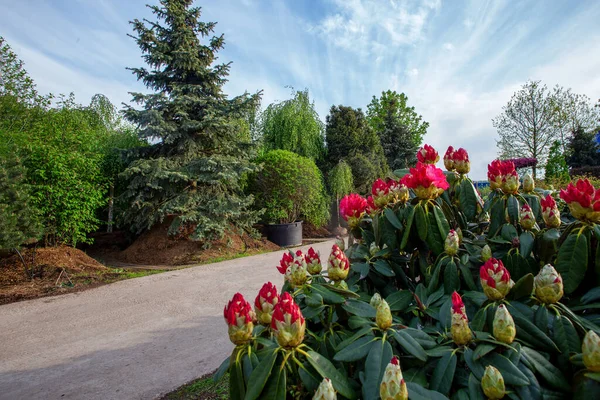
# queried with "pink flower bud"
point(495, 279)
point(352, 208)
point(461, 333)
point(313, 262)
point(338, 265)
point(526, 217)
point(427, 155)
point(550, 212)
point(265, 302)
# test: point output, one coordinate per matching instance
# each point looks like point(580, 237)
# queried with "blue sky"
point(458, 61)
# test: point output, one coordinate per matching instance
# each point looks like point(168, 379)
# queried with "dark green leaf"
point(362, 332)
point(237, 386)
point(546, 369)
point(443, 374)
point(496, 216)
point(482, 349)
point(379, 357)
point(531, 391)
point(222, 369)
point(383, 268)
point(572, 261)
point(438, 351)
point(475, 391)
point(409, 222)
point(327, 370)
point(526, 242)
point(526, 330)
point(435, 240)
point(418, 392)
point(513, 209)
point(467, 276)
point(474, 365)
point(468, 199)
point(359, 308)
point(275, 388)
point(328, 296)
point(591, 296)
point(442, 222)
point(451, 280)
point(356, 350)
point(311, 312)
point(421, 221)
point(361, 267)
point(410, 345)
point(541, 318)
point(400, 300)
point(511, 374)
point(426, 341)
point(478, 322)
point(523, 288)
point(389, 213)
point(259, 376)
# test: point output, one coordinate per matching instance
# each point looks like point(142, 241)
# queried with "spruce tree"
point(192, 171)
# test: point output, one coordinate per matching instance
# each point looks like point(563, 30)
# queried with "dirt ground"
point(46, 266)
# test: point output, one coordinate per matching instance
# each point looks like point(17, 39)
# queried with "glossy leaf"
point(359, 308)
point(410, 345)
point(443, 374)
point(572, 261)
point(327, 370)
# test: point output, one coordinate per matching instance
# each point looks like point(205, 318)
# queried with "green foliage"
point(192, 171)
point(399, 252)
point(294, 125)
point(583, 149)
point(556, 167)
point(349, 137)
point(18, 219)
point(14, 79)
point(340, 180)
point(399, 127)
point(289, 187)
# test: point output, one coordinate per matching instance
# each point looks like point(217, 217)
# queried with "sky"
point(458, 61)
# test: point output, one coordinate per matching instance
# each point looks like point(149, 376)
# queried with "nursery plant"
point(441, 296)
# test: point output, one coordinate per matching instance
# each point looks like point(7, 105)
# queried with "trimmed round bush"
point(289, 187)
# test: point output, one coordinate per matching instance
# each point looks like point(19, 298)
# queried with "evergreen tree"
point(556, 168)
point(583, 149)
point(349, 137)
point(398, 143)
point(192, 172)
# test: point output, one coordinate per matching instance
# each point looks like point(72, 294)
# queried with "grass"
point(202, 389)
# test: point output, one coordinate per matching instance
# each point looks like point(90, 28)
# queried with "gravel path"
point(134, 339)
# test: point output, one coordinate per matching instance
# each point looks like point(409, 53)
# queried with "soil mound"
point(46, 265)
point(155, 247)
point(310, 231)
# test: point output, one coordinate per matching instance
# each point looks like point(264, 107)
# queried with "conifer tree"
point(192, 171)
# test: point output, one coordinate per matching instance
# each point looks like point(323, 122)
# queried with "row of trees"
point(557, 127)
point(59, 161)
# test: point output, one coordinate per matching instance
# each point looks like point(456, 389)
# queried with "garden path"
point(133, 339)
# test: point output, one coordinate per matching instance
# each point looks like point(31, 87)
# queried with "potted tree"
point(289, 188)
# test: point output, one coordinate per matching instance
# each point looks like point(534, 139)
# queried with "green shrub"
point(289, 187)
point(447, 284)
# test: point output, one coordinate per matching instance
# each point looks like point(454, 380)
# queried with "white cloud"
point(413, 72)
point(448, 46)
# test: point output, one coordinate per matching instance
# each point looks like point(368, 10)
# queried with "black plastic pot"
point(285, 235)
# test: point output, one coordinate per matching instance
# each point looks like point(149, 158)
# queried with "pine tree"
point(556, 167)
point(583, 149)
point(192, 171)
point(398, 143)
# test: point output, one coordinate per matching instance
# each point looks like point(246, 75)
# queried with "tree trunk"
point(111, 195)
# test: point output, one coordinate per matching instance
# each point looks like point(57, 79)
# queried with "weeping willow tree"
point(341, 183)
point(294, 125)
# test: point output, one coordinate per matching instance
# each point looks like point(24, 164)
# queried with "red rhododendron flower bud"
point(371, 207)
point(313, 262)
point(398, 191)
point(352, 208)
point(461, 333)
point(427, 181)
point(503, 175)
point(495, 279)
point(285, 262)
point(297, 274)
point(427, 155)
point(381, 193)
point(583, 200)
point(461, 161)
point(337, 265)
point(265, 302)
point(548, 285)
point(393, 386)
point(526, 217)
point(239, 318)
point(287, 323)
point(550, 212)
point(449, 159)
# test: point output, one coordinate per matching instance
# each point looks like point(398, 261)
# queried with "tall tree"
point(341, 183)
point(192, 172)
point(525, 125)
point(397, 124)
point(557, 168)
point(14, 79)
point(571, 112)
point(583, 149)
point(349, 137)
point(294, 125)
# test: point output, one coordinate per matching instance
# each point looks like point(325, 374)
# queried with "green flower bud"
point(486, 253)
point(451, 243)
point(492, 383)
point(325, 391)
point(528, 183)
point(383, 318)
point(504, 326)
point(591, 351)
point(548, 285)
point(375, 300)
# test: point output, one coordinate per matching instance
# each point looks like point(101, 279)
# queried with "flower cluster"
point(384, 193)
point(352, 208)
point(495, 279)
point(239, 318)
point(550, 212)
point(426, 180)
point(287, 323)
point(461, 333)
point(503, 175)
point(265, 302)
point(457, 160)
point(427, 155)
point(548, 285)
point(294, 267)
point(583, 200)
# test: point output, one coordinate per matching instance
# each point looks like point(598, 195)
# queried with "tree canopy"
point(192, 172)
point(294, 125)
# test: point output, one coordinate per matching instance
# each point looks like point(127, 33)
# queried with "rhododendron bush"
point(439, 296)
